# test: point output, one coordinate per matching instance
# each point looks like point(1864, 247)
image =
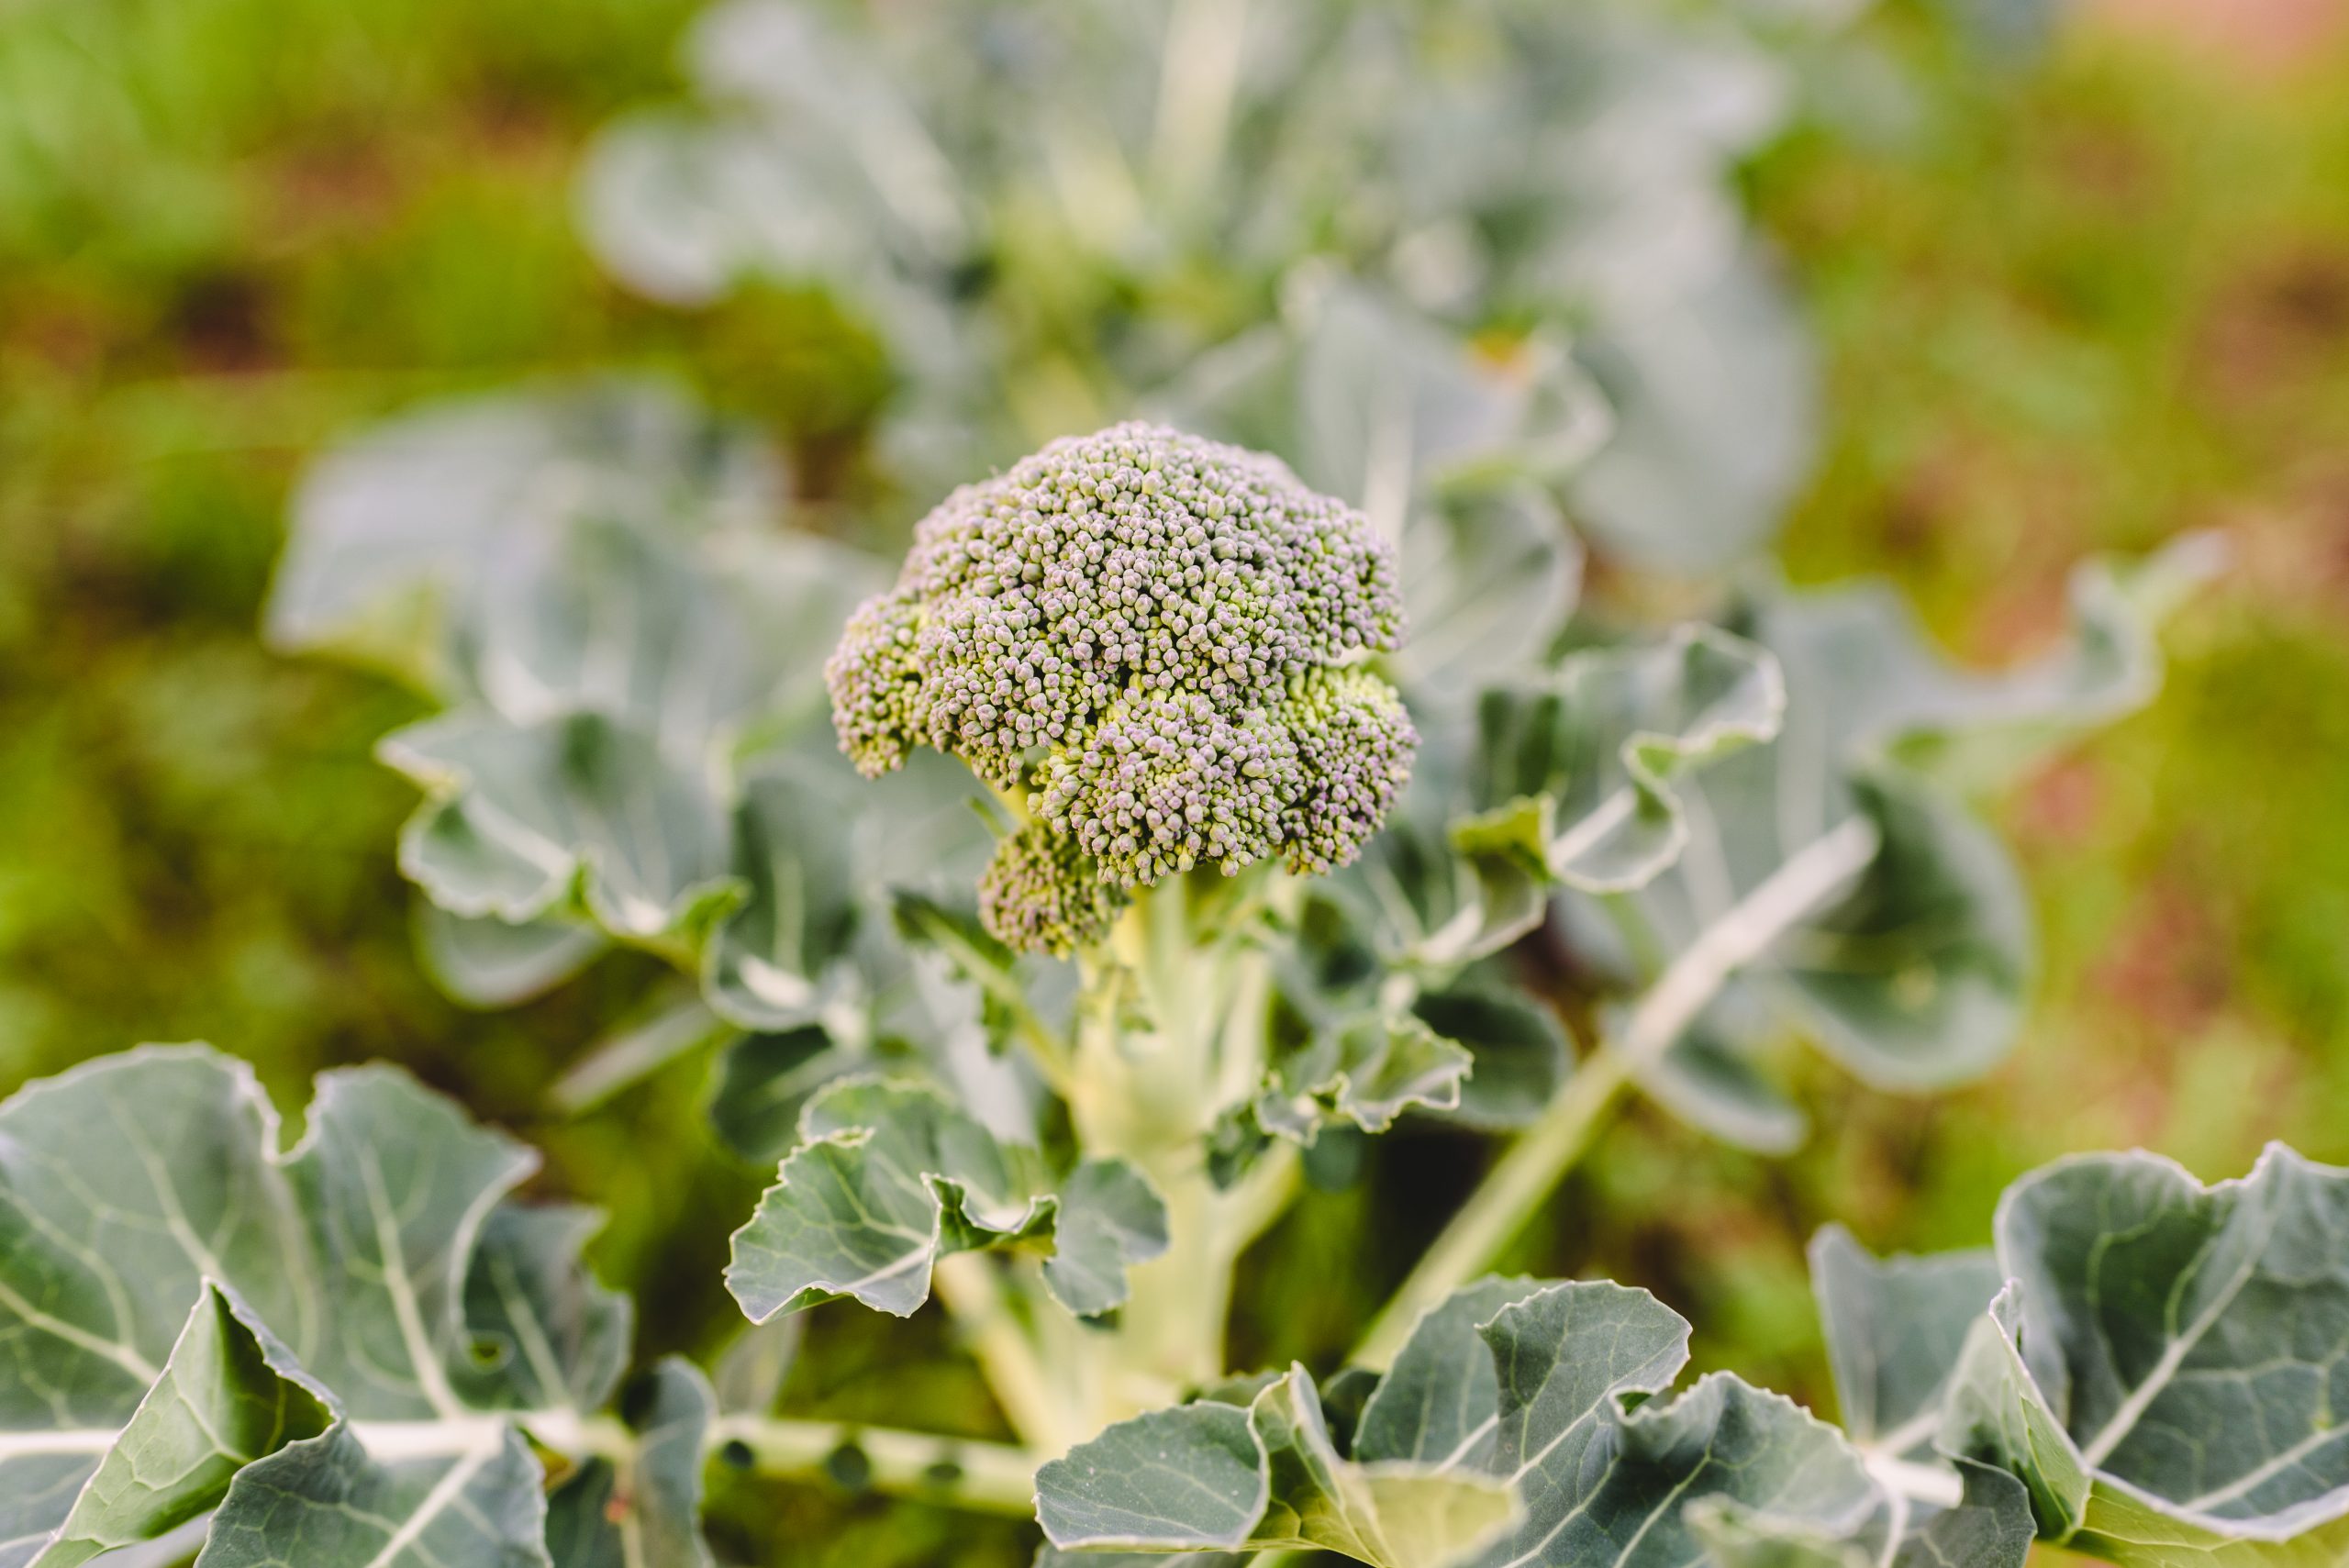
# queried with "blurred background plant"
point(2071, 302)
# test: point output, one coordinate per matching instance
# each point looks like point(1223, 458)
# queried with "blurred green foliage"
point(2077, 311)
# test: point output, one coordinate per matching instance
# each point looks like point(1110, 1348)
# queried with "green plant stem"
point(985, 1477)
point(1533, 1167)
point(1033, 1401)
point(1529, 1173)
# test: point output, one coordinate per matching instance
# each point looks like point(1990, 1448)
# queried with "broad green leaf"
point(689, 641)
point(1990, 1527)
point(644, 1509)
point(1212, 1474)
point(1334, 1062)
point(1551, 1396)
point(1517, 1050)
point(519, 818)
point(1440, 1403)
point(1579, 772)
point(1394, 1516)
point(762, 1082)
point(372, 1274)
point(1715, 399)
point(229, 1394)
point(1995, 1413)
point(325, 1501)
point(782, 958)
point(2185, 1340)
point(1187, 1478)
point(1863, 907)
point(404, 539)
point(1633, 1491)
point(540, 1334)
point(888, 1178)
point(484, 961)
point(1894, 1328)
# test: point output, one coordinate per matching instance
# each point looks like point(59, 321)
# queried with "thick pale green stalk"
point(982, 1476)
point(1542, 1155)
point(1168, 1026)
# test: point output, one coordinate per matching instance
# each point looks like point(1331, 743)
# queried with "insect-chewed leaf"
point(403, 539)
point(518, 816)
point(888, 1178)
point(203, 1321)
point(645, 1510)
point(2162, 1373)
point(1578, 773)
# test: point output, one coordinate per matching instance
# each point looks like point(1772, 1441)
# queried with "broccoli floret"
point(1155, 642)
point(1042, 893)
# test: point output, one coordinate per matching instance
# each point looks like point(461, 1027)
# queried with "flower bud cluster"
point(1157, 636)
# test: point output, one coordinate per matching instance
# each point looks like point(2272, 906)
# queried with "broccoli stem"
point(1172, 1014)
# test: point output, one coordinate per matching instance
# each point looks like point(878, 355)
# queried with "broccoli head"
point(1153, 644)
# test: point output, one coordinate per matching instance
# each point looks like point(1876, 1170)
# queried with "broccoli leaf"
point(1576, 773)
point(517, 818)
point(1907, 957)
point(888, 1178)
point(1714, 388)
point(1522, 1424)
point(206, 1321)
point(484, 961)
point(1894, 1327)
point(408, 539)
point(644, 1511)
point(2160, 1372)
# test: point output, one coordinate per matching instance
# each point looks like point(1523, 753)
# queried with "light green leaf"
point(540, 1334)
point(485, 962)
point(2184, 1342)
point(1440, 1404)
point(888, 1178)
point(1857, 902)
point(1578, 773)
point(324, 1501)
point(1181, 1479)
point(373, 1273)
point(1110, 1218)
point(1715, 401)
point(519, 817)
point(1894, 1328)
point(644, 1510)
point(228, 1395)
point(1990, 1527)
point(1633, 1491)
point(1517, 1050)
point(1394, 1516)
point(782, 959)
point(404, 539)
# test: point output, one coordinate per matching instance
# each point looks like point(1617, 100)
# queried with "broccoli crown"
point(1156, 638)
